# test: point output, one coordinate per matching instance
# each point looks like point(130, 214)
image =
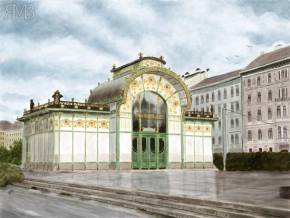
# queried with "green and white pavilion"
point(140, 119)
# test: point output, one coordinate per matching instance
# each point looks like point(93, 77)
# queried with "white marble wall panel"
point(65, 147)
point(174, 148)
point(125, 147)
point(189, 148)
point(207, 149)
point(198, 149)
point(91, 146)
point(79, 146)
point(103, 147)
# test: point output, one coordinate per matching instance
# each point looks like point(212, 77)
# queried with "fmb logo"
point(17, 10)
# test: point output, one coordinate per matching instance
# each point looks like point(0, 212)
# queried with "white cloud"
point(83, 42)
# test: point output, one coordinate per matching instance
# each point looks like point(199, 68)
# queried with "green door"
point(149, 151)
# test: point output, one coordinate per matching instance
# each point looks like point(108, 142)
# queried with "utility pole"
point(224, 136)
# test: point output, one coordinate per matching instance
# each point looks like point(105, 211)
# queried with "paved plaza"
point(260, 188)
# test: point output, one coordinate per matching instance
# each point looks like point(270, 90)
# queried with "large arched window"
point(149, 113)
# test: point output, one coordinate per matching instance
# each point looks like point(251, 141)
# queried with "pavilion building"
point(138, 120)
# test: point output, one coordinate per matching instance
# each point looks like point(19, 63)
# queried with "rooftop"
point(269, 57)
point(216, 79)
point(141, 58)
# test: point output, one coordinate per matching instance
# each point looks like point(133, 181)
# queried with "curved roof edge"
point(117, 89)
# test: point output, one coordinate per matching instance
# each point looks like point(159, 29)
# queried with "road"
point(22, 203)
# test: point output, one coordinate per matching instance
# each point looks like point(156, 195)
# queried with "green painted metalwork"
point(149, 150)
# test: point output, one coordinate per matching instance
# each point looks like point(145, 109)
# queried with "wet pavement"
point(22, 203)
point(260, 188)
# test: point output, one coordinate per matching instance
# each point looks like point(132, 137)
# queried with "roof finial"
point(140, 55)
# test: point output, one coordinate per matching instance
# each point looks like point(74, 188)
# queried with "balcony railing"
point(69, 105)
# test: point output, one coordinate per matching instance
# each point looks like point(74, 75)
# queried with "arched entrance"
point(149, 141)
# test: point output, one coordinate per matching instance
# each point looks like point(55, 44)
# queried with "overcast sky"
point(71, 45)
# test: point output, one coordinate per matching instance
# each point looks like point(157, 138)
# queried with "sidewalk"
point(259, 188)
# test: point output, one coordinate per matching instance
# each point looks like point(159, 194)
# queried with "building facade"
point(9, 136)
point(140, 119)
point(219, 92)
point(266, 102)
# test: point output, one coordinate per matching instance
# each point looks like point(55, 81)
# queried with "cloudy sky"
point(71, 45)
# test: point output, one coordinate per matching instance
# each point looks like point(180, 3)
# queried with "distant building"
point(218, 92)
point(192, 78)
point(9, 133)
point(266, 102)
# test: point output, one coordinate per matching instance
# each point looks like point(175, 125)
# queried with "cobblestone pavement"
point(22, 203)
point(260, 188)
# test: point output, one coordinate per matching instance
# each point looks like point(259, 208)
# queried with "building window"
point(237, 140)
point(213, 140)
point(269, 114)
point(285, 132)
point(197, 100)
point(232, 123)
point(201, 99)
point(258, 81)
point(220, 124)
point(259, 97)
point(207, 98)
point(225, 106)
point(259, 115)
point(269, 78)
point(260, 149)
point(220, 140)
point(225, 94)
point(284, 111)
point(219, 95)
point(278, 112)
point(270, 133)
point(249, 83)
point(249, 135)
point(212, 97)
point(249, 116)
point(232, 92)
point(269, 95)
point(237, 106)
point(250, 150)
point(237, 91)
point(260, 134)
point(237, 122)
point(279, 132)
point(232, 106)
point(232, 139)
point(270, 149)
point(249, 99)
point(219, 109)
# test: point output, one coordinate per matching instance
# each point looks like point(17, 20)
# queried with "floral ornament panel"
point(136, 86)
point(103, 124)
point(126, 107)
point(79, 123)
point(150, 82)
point(173, 105)
point(66, 123)
point(91, 124)
point(165, 89)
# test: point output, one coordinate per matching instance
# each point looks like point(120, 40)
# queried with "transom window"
point(149, 113)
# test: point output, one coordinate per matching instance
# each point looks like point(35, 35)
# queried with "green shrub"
point(12, 155)
point(268, 161)
point(218, 161)
point(9, 174)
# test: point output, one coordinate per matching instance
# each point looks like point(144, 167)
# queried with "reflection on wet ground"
point(22, 203)
point(248, 187)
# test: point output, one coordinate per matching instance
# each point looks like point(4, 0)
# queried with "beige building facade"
point(8, 137)
point(266, 102)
